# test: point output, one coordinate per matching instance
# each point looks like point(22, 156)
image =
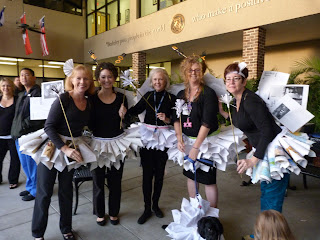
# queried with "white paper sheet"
point(39, 108)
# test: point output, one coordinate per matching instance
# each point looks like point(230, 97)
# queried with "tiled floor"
point(238, 206)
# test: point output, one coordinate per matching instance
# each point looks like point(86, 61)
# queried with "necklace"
point(157, 108)
point(188, 123)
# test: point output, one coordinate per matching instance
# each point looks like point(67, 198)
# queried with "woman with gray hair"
point(154, 153)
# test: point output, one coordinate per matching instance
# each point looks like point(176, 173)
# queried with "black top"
point(204, 112)
point(105, 119)
point(167, 104)
point(6, 117)
point(22, 124)
point(255, 120)
point(56, 123)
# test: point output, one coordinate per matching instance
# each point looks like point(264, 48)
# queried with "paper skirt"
point(41, 149)
point(112, 151)
point(282, 156)
point(184, 225)
point(219, 147)
point(155, 137)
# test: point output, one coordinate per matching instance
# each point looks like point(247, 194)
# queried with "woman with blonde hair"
point(272, 225)
point(77, 110)
point(7, 108)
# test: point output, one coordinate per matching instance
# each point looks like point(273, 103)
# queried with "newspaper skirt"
point(112, 151)
point(219, 147)
point(184, 225)
point(155, 137)
point(41, 149)
point(282, 156)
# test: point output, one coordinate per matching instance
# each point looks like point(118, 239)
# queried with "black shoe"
point(28, 197)
point(114, 222)
point(144, 217)
point(102, 223)
point(68, 236)
point(158, 212)
point(164, 227)
point(24, 193)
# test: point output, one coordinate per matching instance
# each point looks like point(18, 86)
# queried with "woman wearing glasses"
point(199, 122)
point(252, 116)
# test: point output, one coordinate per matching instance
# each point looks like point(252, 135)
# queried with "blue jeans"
point(30, 169)
point(272, 194)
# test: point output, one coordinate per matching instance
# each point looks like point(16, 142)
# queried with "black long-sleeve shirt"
point(255, 120)
point(105, 119)
point(56, 123)
point(204, 112)
point(6, 117)
point(166, 107)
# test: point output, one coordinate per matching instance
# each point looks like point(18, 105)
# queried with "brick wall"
point(139, 66)
point(254, 50)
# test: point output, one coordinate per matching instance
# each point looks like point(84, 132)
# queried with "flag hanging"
point(43, 41)
point(2, 16)
point(25, 36)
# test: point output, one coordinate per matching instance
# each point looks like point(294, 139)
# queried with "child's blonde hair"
point(271, 225)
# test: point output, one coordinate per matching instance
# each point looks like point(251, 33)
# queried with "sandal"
point(13, 186)
point(68, 236)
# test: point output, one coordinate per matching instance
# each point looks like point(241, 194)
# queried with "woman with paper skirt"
point(275, 149)
point(111, 143)
point(67, 117)
point(156, 137)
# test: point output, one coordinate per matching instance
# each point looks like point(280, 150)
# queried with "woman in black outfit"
point(108, 109)
point(7, 108)
point(200, 122)
point(154, 158)
point(77, 109)
point(254, 119)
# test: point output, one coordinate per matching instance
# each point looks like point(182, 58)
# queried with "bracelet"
point(195, 148)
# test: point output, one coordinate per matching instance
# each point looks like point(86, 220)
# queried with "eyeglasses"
point(235, 79)
point(194, 70)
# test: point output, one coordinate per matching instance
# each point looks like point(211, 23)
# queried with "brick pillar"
point(254, 50)
point(139, 66)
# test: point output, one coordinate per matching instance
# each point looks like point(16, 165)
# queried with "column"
point(139, 66)
point(254, 50)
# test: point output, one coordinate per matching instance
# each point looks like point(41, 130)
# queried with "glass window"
point(124, 11)
point(101, 3)
point(53, 69)
point(148, 7)
point(101, 20)
point(8, 66)
point(68, 6)
point(35, 65)
point(91, 25)
point(112, 17)
point(90, 6)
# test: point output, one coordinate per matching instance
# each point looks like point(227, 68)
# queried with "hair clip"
point(68, 67)
point(177, 50)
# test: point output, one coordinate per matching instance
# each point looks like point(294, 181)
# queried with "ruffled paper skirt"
point(219, 148)
point(155, 137)
point(112, 151)
point(282, 156)
point(184, 225)
point(41, 149)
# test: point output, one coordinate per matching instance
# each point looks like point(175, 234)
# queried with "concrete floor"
point(238, 206)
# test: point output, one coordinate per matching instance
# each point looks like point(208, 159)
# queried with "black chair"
point(81, 175)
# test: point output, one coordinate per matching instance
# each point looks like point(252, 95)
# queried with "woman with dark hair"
point(76, 108)
point(252, 116)
point(199, 122)
point(156, 139)
point(7, 108)
point(109, 108)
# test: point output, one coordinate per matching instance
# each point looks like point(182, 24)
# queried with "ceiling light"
point(94, 68)
point(56, 63)
point(8, 63)
point(11, 59)
point(49, 66)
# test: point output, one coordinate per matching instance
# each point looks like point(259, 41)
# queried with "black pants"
point(114, 178)
point(153, 165)
point(14, 170)
point(45, 182)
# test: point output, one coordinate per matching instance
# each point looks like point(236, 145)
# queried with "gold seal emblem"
point(177, 23)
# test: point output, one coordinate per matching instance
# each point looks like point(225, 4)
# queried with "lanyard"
point(155, 104)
